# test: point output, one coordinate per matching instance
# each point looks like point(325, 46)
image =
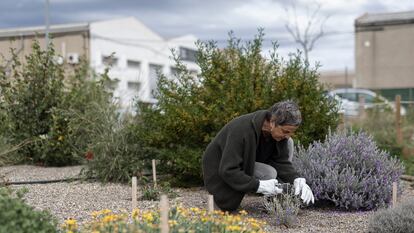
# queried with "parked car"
point(348, 98)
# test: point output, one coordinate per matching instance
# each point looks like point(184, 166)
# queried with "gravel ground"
point(78, 199)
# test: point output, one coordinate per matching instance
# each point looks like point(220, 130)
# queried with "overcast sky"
point(213, 19)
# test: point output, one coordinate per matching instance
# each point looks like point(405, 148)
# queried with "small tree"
point(306, 37)
point(233, 81)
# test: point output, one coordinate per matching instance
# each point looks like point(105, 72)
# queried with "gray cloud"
point(211, 19)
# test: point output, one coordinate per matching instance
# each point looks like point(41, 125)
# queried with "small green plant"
point(153, 193)
point(397, 219)
point(18, 217)
point(284, 207)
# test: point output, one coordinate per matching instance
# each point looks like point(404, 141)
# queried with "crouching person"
point(253, 153)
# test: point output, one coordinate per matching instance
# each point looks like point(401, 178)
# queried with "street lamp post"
point(47, 23)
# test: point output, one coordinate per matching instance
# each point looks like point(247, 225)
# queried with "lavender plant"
point(284, 207)
point(398, 219)
point(349, 171)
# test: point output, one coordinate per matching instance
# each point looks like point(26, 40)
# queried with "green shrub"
point(191, 109)
point(151, 193)
point(397, 219)
point(49, 107)
point(29, 94)
point(115, 153)
point(17, 217)
point(72, 131)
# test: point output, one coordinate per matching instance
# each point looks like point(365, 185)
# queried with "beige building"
point(337, 78)
point(70, 41)
point(384, 53)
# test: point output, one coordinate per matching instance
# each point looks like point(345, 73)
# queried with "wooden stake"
point(394, 194)
point(210, 203)
point(361, 107)
point(398, 119)
point(164, 209)
point(134, 192)
point(154, 173)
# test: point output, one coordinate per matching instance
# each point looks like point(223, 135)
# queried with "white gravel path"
point(78, 199)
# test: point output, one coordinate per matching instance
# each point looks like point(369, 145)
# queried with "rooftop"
point(383, 19)
point(29, 31)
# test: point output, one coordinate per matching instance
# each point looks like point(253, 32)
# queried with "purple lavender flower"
point(349, 170)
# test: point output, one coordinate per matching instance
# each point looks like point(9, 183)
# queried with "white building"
point(138, 54)
point(134, 51)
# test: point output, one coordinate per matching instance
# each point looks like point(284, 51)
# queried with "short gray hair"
point(285, 113)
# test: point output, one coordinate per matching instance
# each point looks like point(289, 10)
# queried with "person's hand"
point(268, 187)
point(300, 186)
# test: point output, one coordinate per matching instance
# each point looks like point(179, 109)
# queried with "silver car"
point(348, 99)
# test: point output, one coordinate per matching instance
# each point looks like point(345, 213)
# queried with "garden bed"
point(79, 199)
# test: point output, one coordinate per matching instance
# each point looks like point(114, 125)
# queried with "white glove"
point(300, 186)
point(268, 187)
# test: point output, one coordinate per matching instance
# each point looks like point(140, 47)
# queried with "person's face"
point(280, 132)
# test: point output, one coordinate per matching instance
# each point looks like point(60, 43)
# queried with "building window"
point(173, 71)
point(188, 54)
point(134, 86)
point(153, 77)
point(113, 84)
point(133, 64)
point(193, 72)
point(109, 60)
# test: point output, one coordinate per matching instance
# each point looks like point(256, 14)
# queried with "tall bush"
point(191, 109)
point(349, 171)
point(114, 153)
point(46, 107)
point(74, 119)
point(29, 93)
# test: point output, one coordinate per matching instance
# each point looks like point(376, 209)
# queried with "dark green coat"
point(228, 162)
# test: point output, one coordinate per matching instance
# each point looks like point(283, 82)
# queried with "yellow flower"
point(70, 222)
point(172, 222)
point(255, 225)
point(109, 218)
point(233, 228)
point(148, 217)
point(135, 213)
point(95, 214)
point(243, 212)
point(61, 138)
point(194, 209)
point(205, 219)
point(106, 211)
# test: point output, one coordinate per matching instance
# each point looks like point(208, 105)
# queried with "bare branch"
point(306, 38)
